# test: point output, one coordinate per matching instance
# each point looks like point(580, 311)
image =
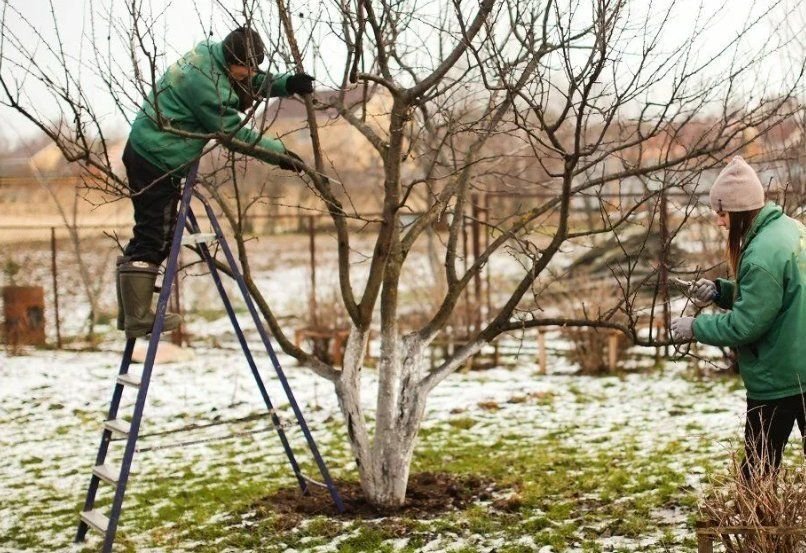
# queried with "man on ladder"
point(198, 98)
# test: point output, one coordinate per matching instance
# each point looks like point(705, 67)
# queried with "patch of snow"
point(52, 404)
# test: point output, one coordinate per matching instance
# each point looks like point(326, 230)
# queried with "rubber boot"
point(137, 279)
point(118, 262)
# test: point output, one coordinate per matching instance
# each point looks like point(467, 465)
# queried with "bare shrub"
point(596, 350)
point(767, 515)
point(591, 349)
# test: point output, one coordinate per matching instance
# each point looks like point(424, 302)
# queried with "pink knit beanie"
point(737, 188)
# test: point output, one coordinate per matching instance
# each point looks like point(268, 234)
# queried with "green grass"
point(562, 488)
point(563, 491)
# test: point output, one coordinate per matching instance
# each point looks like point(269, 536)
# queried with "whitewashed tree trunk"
point(384, 460)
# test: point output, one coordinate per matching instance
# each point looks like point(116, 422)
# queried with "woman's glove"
point(703, 292)
point(682, 329)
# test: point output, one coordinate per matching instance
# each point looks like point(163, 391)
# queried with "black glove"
point(301, 83)
point(295, 164)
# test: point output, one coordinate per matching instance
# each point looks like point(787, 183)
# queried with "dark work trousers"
point(767, 428)
point(155, 196)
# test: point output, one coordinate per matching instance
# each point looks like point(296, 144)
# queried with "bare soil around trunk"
point(429, 494)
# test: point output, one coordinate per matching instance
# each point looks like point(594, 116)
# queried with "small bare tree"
point(568, 102)
point(91, 284)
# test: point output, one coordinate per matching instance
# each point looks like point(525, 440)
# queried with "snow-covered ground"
point(52, 404)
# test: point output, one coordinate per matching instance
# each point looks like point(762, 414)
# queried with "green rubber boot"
point(137, 279)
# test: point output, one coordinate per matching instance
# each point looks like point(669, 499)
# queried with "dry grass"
point(591, 349)
point(591, 346)
point(767, 515)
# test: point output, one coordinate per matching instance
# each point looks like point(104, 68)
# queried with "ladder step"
point(129, 379)
point(198, 238)
point(106, 473)
point(95, 520)
point(117, 425)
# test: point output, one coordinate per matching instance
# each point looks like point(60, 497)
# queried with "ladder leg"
point(334, 494)
point(162, 306)
point(109, 525)
point(205, 254)
point(89, 502)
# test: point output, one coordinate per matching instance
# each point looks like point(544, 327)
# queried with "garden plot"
point(579, 464)
point(575, 463)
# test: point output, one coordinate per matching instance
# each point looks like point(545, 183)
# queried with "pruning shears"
point(685, 285)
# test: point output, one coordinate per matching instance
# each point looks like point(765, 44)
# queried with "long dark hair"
point(739, 223)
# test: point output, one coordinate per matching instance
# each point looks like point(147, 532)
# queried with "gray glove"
point(682, 329)
point(703, 292)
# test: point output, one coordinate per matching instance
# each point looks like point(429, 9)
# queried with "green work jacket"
point(766, 320)
point(195, 96)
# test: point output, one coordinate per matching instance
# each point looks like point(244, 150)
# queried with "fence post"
point(312, 249)
point(664, 264)
point(55, 286)
point(612, 350)
point(178, 335)
point(475, 232)
point(465, 253)
point(705, 543)
point(486, 211)
point(541, 351)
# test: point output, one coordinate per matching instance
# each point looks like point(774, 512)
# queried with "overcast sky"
point(183, 23)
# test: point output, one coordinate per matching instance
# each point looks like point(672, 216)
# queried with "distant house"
point(36, 180)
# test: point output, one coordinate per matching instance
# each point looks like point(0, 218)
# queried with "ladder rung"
point(106, 473)
point(117, 425)
point(95, 520)
point(129, 379)
point(312, 481)
point(198, 238)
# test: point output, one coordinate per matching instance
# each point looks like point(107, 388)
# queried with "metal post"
point(664, 263)
point(466, 291)
point(55, 286)
point(312, 248)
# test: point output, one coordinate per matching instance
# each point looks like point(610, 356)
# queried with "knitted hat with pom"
point(737, 188)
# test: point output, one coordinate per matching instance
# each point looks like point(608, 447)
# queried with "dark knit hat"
point(243, 46)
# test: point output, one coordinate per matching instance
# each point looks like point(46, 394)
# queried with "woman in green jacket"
point(199, 98)
point(765, 317)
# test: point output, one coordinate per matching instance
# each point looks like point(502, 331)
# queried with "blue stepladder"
point(116, 426)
